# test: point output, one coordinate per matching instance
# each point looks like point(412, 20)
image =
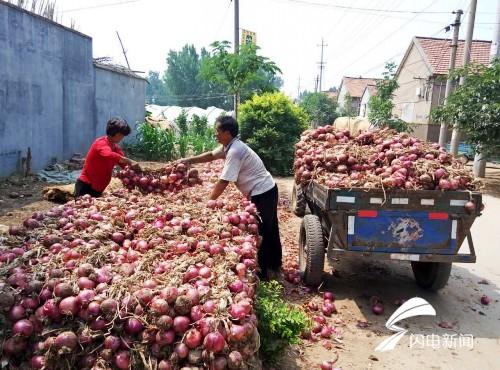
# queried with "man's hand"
point(135, 166)
point(186, 161)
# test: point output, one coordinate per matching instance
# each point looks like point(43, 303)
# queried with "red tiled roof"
point(372, 89)
point(438, 53)
point(356, 85)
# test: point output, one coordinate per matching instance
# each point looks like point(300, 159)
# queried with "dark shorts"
point(82, 188)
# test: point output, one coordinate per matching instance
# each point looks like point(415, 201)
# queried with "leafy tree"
point(263, 82)
point(346, 110)
point(381, 105)
point(235, 71)
point(181, 74)
point(271, 124)
point(156, 92)
point(474, 107)
point(321, 108)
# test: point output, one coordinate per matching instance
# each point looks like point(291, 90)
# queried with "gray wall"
point(52, 97)
point(114, 93)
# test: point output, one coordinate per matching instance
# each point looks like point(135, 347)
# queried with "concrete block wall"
point(52, 97)
point(113, 93)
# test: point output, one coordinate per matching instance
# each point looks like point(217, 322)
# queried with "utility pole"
point(236, 48)
point(298, 90)
point(479, 167)
point(123, 49)
point(321, 64)
point(455, 136)
point(449, 82)
point(316, 83)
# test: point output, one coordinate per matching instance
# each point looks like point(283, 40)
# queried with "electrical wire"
point(100, 6)
point(359, 9)
point(394, 32)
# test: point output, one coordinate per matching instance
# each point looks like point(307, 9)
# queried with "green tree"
point(156, 91)
point(181, 74)
point(321, 108)
point(474, 107)
point(380, 105)
point(271, 124)
point(235, 71)
point(184, 84)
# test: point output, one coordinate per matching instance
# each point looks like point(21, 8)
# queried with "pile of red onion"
point(375, 159)
point(171, 178)
point(133, 281)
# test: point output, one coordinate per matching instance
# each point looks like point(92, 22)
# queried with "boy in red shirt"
point(104, 154)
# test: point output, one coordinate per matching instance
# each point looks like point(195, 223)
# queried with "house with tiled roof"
point(368, 92)
point(421, 76)
point(353, 87)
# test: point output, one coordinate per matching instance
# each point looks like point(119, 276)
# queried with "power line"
point(101, 6)
point(393, 33)
point(359, 9)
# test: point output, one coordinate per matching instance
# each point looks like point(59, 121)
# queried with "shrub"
point(271, 124)
point(321, 108)
point(280, 323)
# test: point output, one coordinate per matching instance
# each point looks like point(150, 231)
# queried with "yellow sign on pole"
point(248, 37)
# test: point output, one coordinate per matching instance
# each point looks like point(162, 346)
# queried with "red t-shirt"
point(99, 163)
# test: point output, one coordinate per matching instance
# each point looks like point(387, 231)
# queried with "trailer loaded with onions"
point(382, 195)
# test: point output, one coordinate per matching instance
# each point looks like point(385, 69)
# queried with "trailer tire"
point(431, 275)
point(311, 250)
point(298, 201)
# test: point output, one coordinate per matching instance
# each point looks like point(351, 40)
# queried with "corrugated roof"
point(437, 52)
point(356, 85)
point(118, 69)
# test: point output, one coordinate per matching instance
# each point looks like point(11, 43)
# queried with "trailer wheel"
point(298, 201)
point(431, 275)
point(311, 250)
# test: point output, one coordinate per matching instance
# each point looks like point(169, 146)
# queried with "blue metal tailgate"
point(401, 231)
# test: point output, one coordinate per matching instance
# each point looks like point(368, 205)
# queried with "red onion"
point(235, 360)
point(133, 326)
point(164, 322)
point(485, 300)
point(122, 360)
point(196, 313)
point(66, 341)
point(193, 338)
point(38, 362)
point(377, 308)
point(165, 337)
point(85, 283)
point(182, 350)
point(109, 307)
point(214, 342)
point(111, 342)
point(17, 313)
point(181, 324)
point(14, 345)
point(325, 365)
point(69, 306)
point(63, 290)
point(470, 207)
point(209, 306)
point(23, 328)
point(165, 365)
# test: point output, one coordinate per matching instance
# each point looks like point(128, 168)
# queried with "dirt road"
point(458, 307)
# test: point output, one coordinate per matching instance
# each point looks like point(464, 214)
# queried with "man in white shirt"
point(244, 167)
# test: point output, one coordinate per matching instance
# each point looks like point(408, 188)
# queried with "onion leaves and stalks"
point(381, 158)
point(133, 279)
